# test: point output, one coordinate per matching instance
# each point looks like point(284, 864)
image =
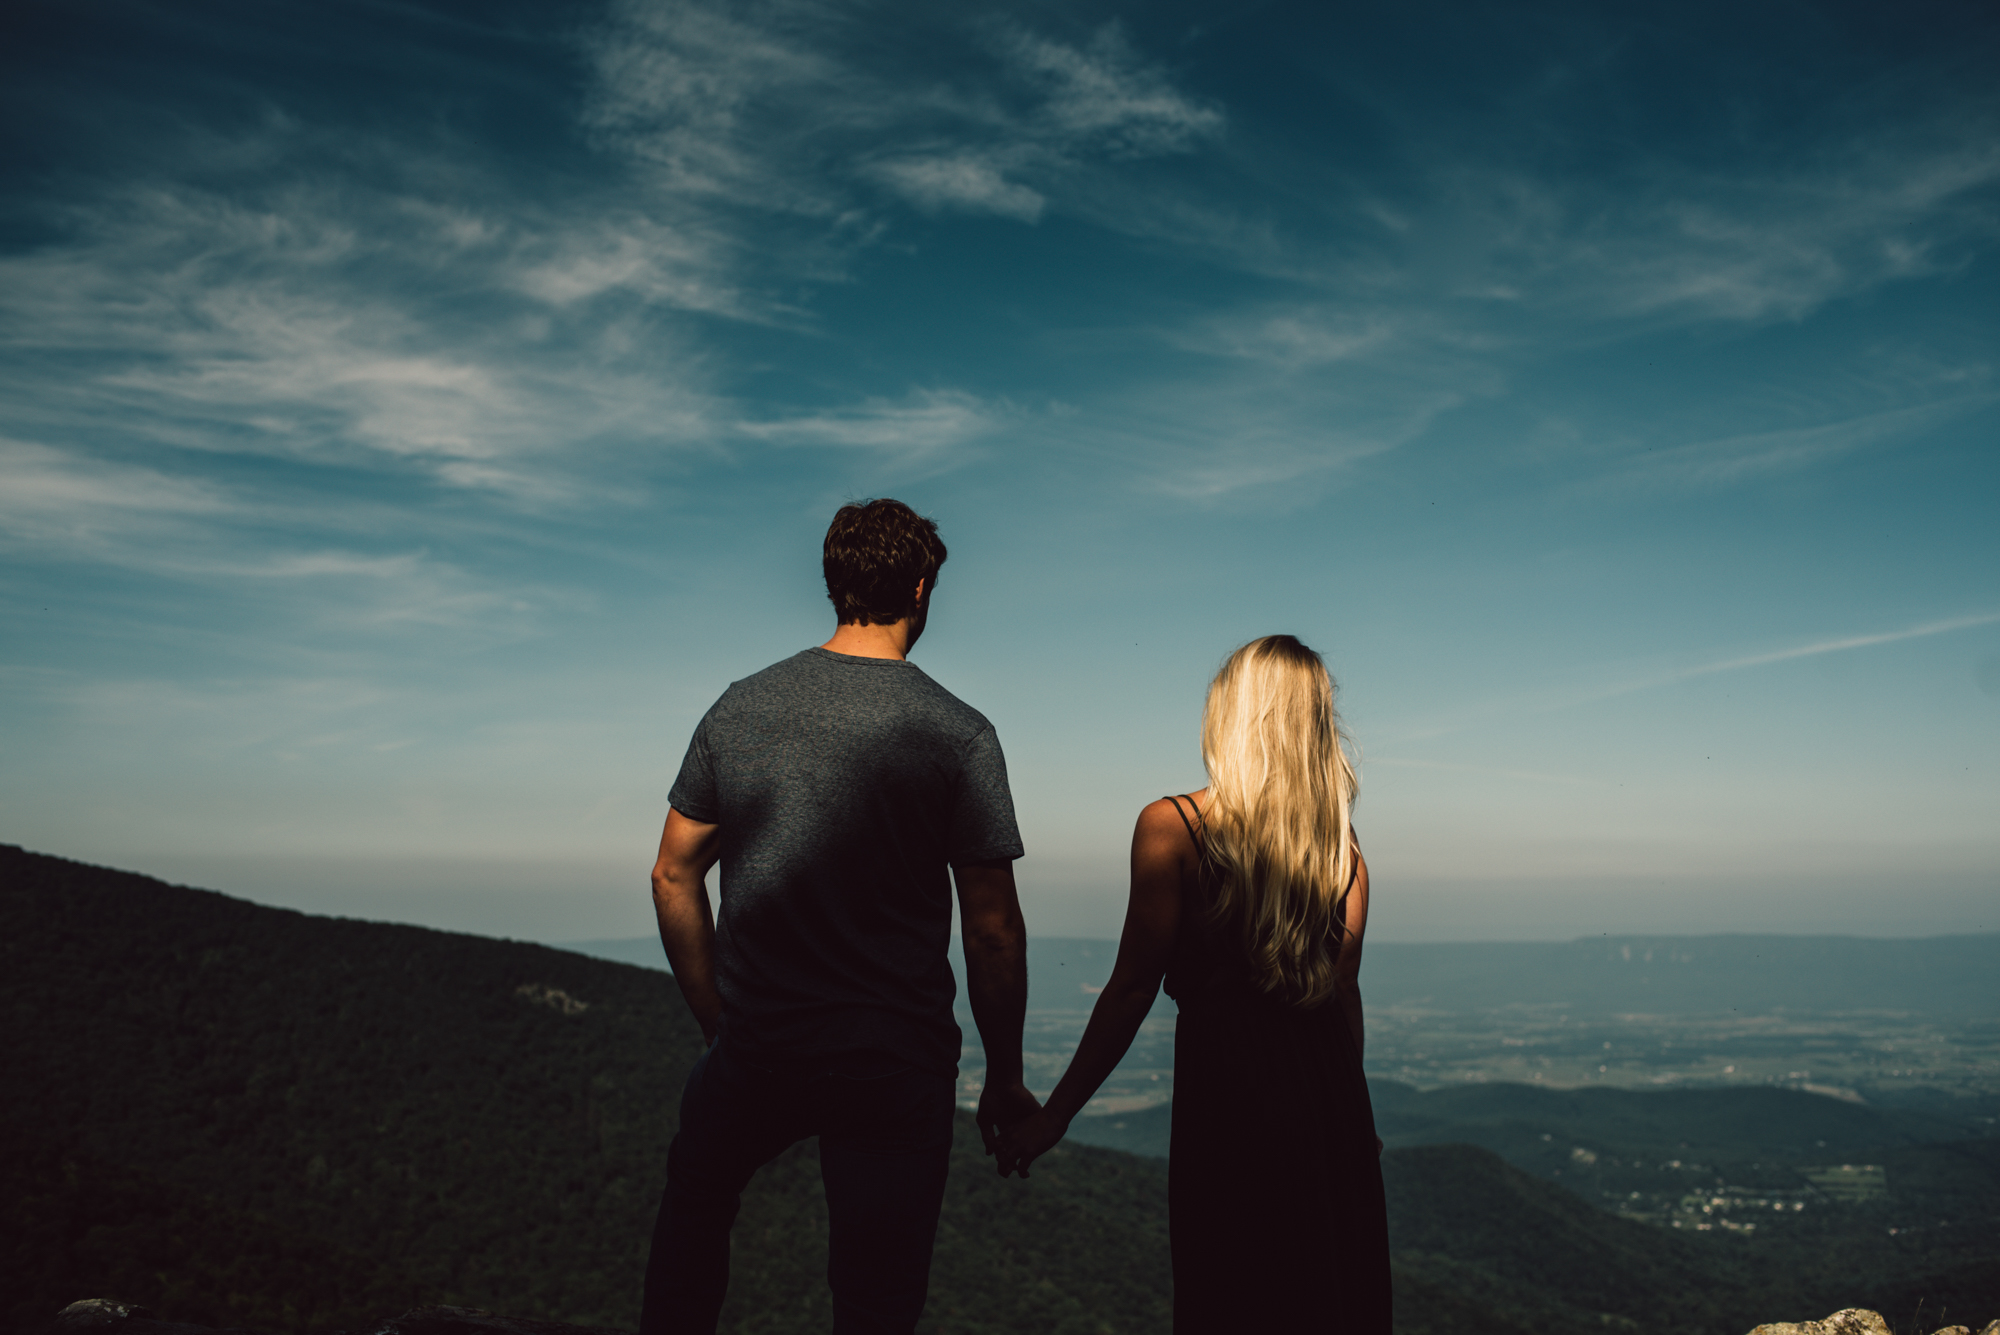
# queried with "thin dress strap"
point(1184, 819)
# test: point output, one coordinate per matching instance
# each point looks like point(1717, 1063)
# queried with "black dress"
point(1274, 1188)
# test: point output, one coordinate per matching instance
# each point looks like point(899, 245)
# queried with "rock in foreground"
point(1857, 1321)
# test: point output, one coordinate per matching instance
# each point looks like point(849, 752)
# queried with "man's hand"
point(1028, 1140)
point(996, 983)
point(1002, 1107)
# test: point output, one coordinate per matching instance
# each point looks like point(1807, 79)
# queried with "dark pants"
point(884, 1133)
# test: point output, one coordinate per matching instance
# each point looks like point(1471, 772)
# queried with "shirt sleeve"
point(982, 821)
point(693, 793)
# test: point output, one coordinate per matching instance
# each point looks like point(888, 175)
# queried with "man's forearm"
point(687, 931)
point(688, 849)
point(996, 985)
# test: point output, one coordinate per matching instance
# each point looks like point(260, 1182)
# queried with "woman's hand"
point(1028, 1140)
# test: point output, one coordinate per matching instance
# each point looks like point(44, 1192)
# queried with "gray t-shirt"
point(844, 788)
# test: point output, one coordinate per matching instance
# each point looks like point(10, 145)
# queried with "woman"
point(1250, 898)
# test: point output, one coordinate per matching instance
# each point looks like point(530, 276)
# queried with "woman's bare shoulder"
point(1171, 811)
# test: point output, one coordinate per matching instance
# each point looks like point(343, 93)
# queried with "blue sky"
point(413, 415)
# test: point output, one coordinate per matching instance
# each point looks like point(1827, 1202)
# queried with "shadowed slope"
point(488, 1118)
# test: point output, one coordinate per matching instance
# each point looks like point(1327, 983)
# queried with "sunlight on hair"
point(1281, 792)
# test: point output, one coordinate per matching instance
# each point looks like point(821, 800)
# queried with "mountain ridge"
point(1947, 975)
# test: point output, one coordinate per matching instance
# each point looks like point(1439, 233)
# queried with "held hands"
point(1028, 1140)
point(1002, 1108)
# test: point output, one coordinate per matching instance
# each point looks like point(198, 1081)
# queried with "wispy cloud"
point(683, 268)
point(767, 112)
point(1300, 335)
point(1838, 645)
point(1283, 466)
point(40, 486)
point(304, 326)
point(1219, 441)
point(1745, 457)
point(967, 181)
point(1555, 701)
point(703, 97)
point(923, 428)
point(1715, 240)
point(1103, 97)
point(265, 384)
point(69, 506)
point(1500, 276)
point(1281, 400)
point(1494, 227)
point(1758, 250)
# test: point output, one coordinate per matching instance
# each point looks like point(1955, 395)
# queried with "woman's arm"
point(1160, 852)
point(1348, 966)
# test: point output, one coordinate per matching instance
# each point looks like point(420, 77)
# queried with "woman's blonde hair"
point(1280, 795)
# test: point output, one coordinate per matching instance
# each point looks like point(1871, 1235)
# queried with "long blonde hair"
point(1280, 797)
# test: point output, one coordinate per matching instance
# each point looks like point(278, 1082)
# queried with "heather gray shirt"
point(844, 788)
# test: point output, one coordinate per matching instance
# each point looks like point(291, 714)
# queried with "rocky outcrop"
point(1851, 1321)
point(99, 1314)
point(104, 1316)
point(1857, 1321)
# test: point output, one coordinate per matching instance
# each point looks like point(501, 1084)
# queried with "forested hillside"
point(248, 1116)
point(481, 1122)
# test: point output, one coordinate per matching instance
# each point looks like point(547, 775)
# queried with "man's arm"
point(996, 983)
point(688, 849)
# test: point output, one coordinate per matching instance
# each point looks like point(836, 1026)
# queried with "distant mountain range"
point(1945, 976)
point(1539, 1130)
point(1695, 975)
point(247, 1116)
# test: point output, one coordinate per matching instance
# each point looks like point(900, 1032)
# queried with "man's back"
point(844, 787)
point(846, 795)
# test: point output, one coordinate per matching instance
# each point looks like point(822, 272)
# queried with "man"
point(836, 787)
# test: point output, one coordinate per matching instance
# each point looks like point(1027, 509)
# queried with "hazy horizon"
point(413, 417)
point(495, 898)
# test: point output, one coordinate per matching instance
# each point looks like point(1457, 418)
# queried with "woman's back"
point(1207, 952)
point(1202, 955)
point(1251, 903)
point(1275, 1190)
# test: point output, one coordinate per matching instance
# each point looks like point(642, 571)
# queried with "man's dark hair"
point(875, 553)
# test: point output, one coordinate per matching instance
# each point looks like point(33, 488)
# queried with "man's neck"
point(859, 641)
